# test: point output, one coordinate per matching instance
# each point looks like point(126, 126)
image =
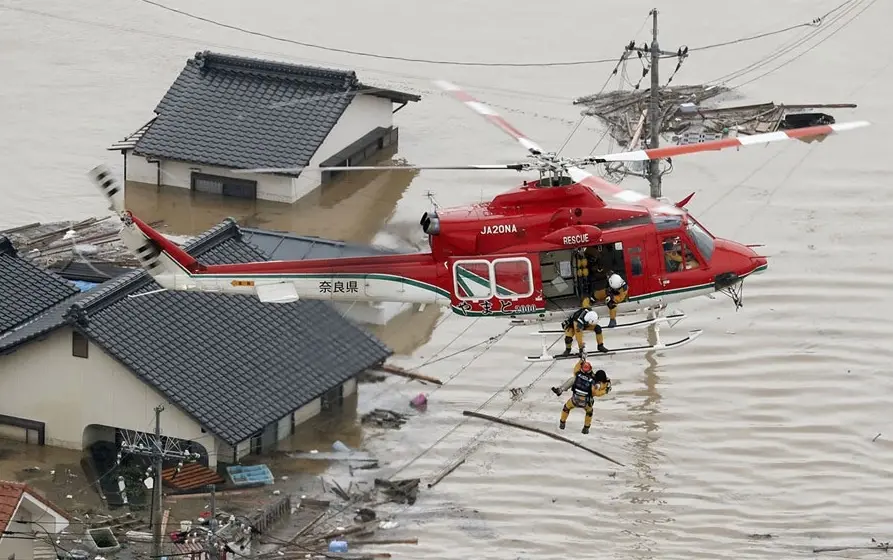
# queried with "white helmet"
point(590, 317)
point(615, 281)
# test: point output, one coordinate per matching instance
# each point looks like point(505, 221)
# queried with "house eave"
point(229, 167)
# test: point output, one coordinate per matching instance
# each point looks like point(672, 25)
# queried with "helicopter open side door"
point(500, 285)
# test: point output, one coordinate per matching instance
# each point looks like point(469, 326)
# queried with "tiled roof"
point(282, 246)
point(231, 362)
point(42, 324)
point(130, 142)
point(11, 494)
point(239, 112)
point(26, 290)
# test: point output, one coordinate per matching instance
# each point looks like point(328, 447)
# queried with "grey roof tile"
point(231, 362)
point(239, 112)
point(42, 324)
point(26, 290)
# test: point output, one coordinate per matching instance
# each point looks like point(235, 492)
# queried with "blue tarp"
point(84, 286)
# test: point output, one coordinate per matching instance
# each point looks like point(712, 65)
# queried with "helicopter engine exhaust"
point(430, 223)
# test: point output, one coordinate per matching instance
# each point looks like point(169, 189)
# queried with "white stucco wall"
point(364, 114)
point(307, 412)
point(178, 174)
point(43, 382)
point(350, 387)
point(284, 428)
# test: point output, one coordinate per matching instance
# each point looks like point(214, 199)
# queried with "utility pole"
point(156, 450)
point(212, 524)
point(654, 109)
point(158, 465)
point(654, 105)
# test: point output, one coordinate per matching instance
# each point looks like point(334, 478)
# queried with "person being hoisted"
point(617, 293)
point(585, 386)
point(584, 319)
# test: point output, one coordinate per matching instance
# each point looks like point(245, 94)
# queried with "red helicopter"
point(515, 257)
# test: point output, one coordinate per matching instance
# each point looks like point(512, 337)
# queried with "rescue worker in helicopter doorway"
point(617, 293)
point(585, 386)
point(584, 319)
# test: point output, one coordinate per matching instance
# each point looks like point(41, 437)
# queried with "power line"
point(810, 49)
point(368, 54)
point(814, 23)
point(447, 62)
point(785, 49)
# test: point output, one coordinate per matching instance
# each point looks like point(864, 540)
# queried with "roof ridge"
point(207, 60)
point(204, 242)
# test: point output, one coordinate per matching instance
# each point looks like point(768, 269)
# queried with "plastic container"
point(339, 446)
point(338, 546)
point(419, 401)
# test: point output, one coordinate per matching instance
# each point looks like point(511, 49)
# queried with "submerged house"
point(235, 375)
point(227, 112)
point(29, 523)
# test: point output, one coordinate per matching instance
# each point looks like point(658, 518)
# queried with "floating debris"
point(400, 491)
point(384, 418)
point(684, 117)
point(55, 244)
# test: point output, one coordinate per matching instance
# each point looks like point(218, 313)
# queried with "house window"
point(332, 399)
point(226, 186)
point(79, 345)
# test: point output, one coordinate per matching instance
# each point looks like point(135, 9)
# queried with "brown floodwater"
point(768, 424)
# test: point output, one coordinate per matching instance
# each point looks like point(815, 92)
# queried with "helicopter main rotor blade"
point(807, 134)
point(489, 114)
point(512, 166)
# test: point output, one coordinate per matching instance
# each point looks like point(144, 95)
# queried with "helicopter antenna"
point(431, 199)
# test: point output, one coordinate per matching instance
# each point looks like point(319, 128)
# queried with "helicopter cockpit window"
point(664, 222)
point(677, 256)
point(701, 239)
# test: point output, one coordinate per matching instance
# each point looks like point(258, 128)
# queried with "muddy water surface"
point(768, 424)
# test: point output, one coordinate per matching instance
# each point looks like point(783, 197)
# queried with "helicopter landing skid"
point(652, 322)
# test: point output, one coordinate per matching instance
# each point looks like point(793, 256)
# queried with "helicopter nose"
point(741, 259)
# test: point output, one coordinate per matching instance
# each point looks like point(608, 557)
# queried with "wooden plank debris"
point(539, 431)
point(446, 472)
point(47, 245)
point(408, 374)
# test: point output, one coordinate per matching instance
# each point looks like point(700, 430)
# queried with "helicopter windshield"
point(701, 238)
point(664, 222)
